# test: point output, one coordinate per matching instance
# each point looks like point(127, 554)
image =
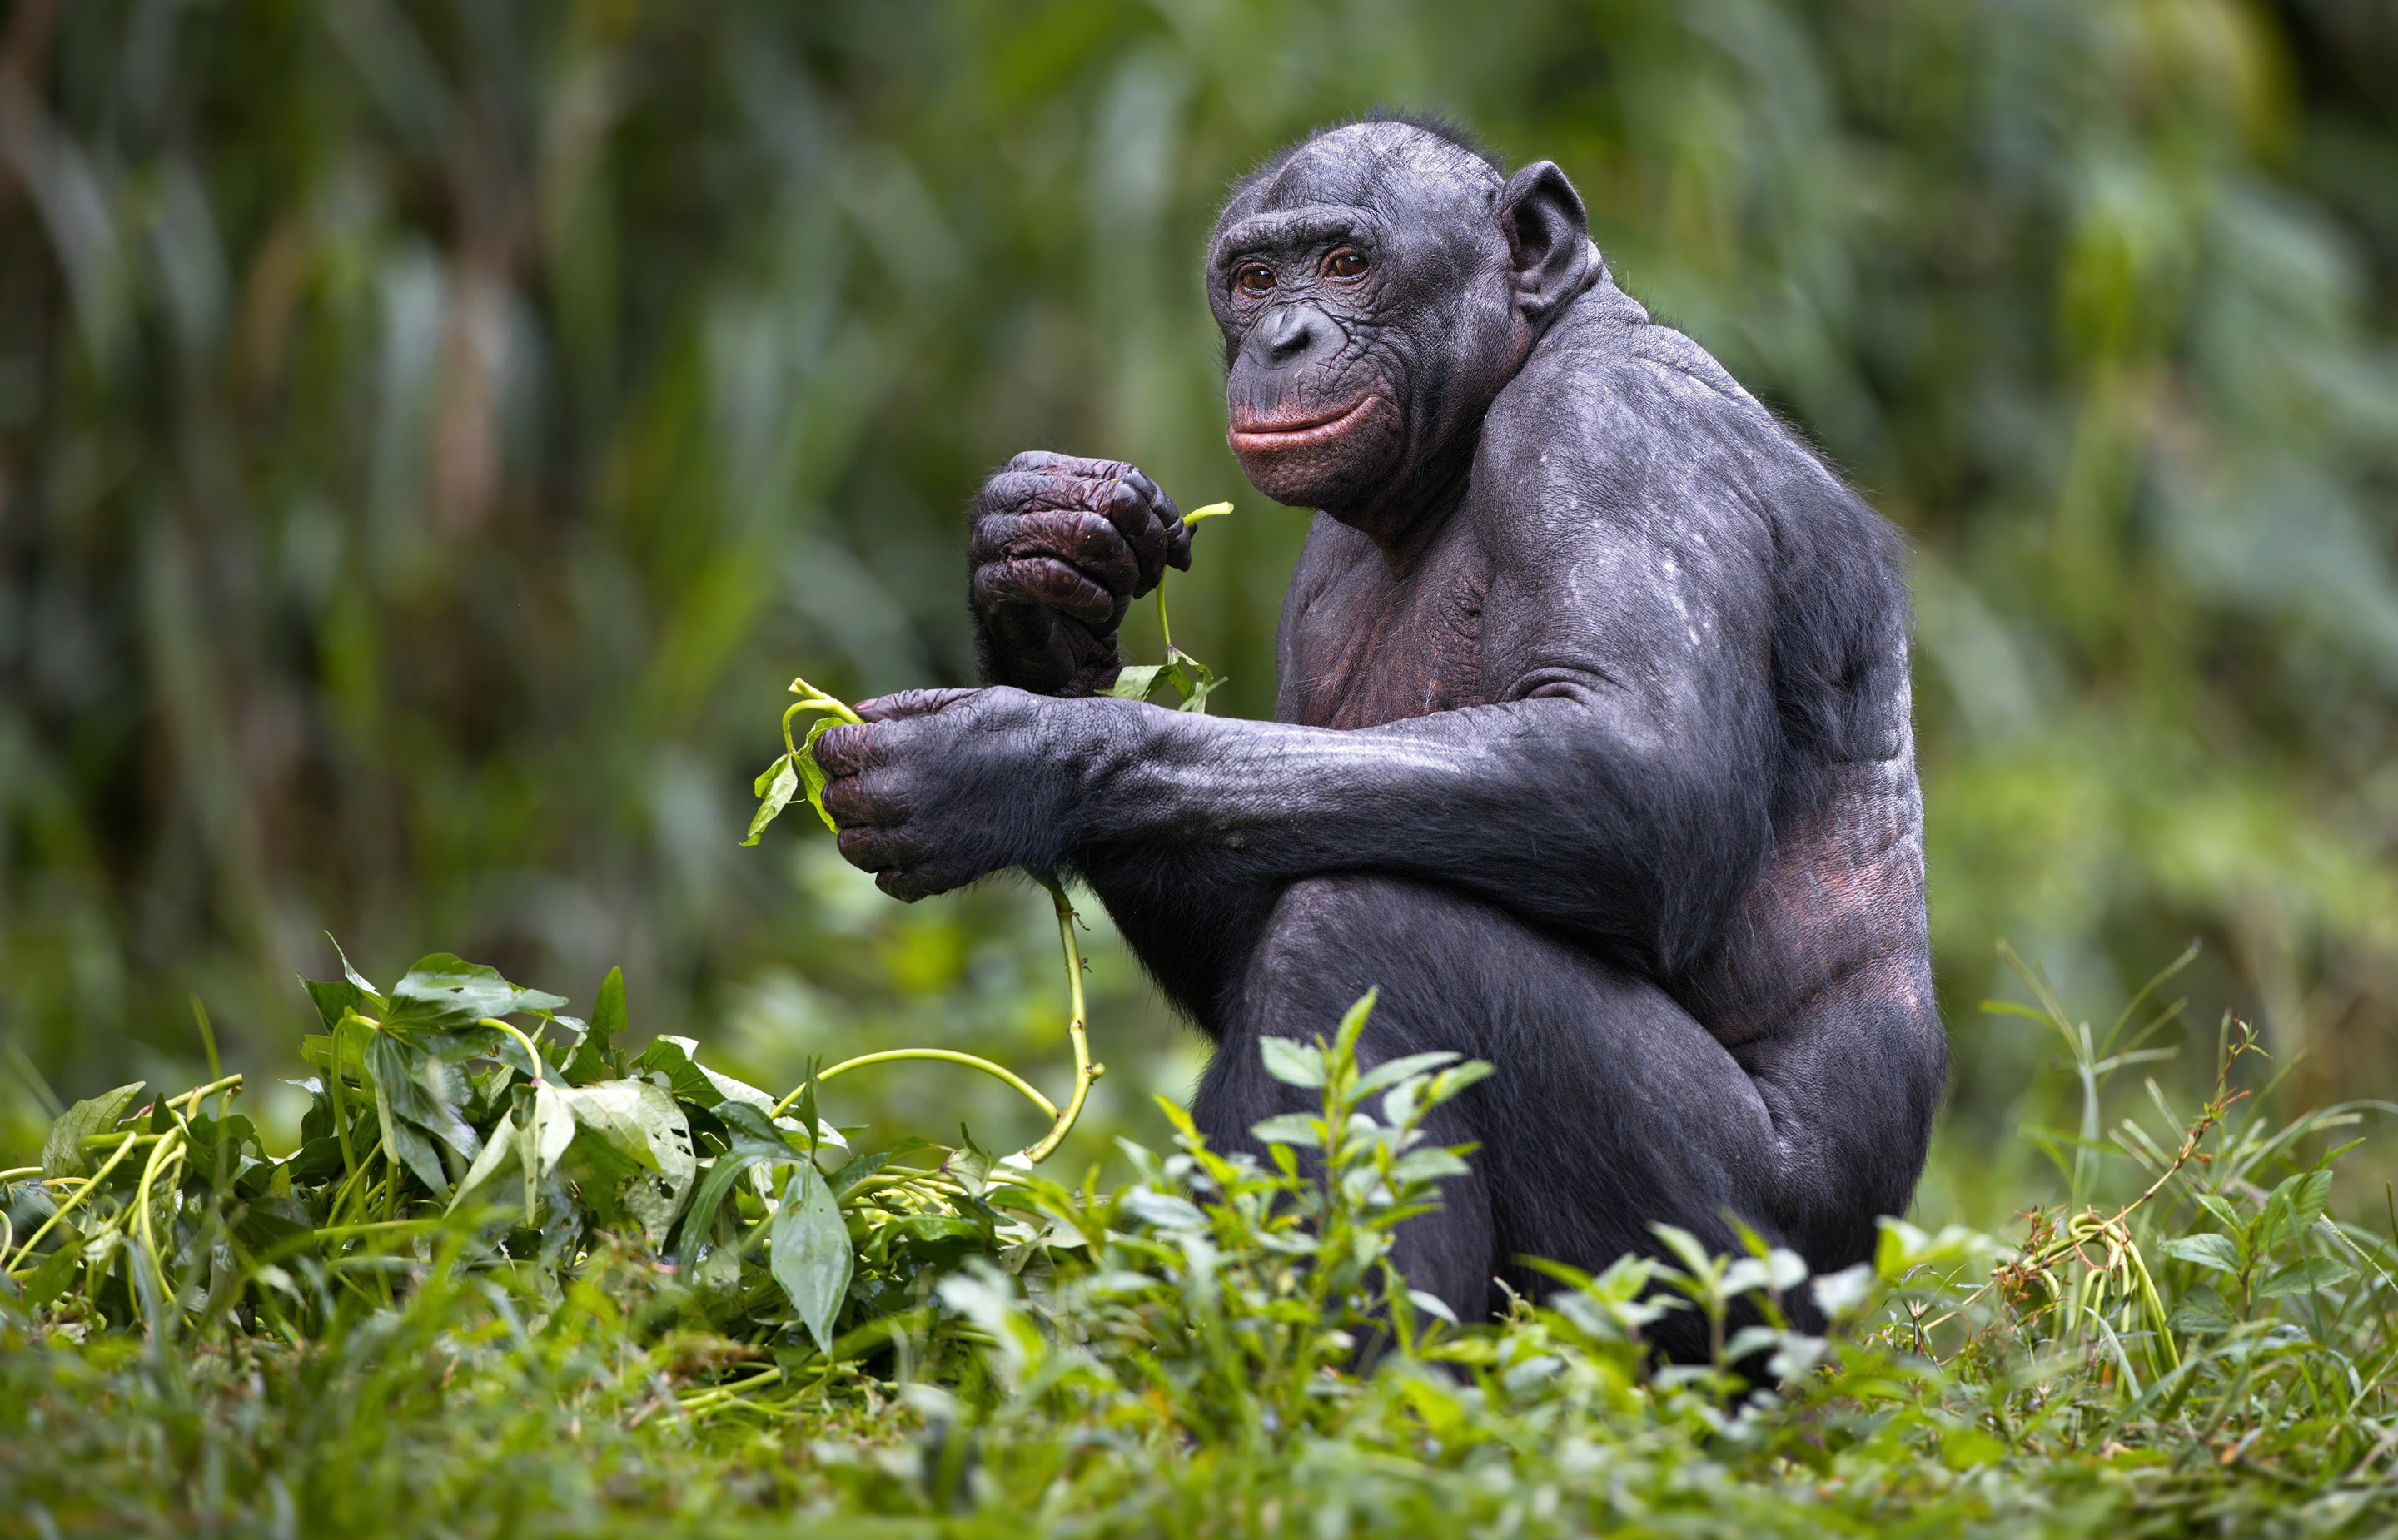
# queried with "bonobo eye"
point(1255, 278)
point(1344, 263)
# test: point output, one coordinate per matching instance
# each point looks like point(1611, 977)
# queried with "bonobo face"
point(1367, 292)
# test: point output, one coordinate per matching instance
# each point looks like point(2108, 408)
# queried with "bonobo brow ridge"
point(1316, 224)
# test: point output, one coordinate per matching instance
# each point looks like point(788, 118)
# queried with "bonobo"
point(1593, 746)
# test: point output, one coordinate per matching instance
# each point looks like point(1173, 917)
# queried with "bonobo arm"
point(1617, 788)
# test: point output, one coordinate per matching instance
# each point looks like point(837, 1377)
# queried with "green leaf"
point(595, 1058)
point(1293, 1064)
point(1136, 683)
point(2201, 1309)
point(748, 1150)
point(500, 1155)
point(969, 1163)
point(1395, 1070)
point(443, 991)
point(50, 1280)
point(654, 1167)
point(811, 775)
point(774, 788)
point(333, 997)
point(419, 1088)
point(62, 1152)
point(2294, 1206)
point(1295, 1129)
point(2217, 1253)
point(811, 1254)
point(2305, 1277)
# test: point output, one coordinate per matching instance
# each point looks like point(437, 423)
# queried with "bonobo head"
point(1377, 285)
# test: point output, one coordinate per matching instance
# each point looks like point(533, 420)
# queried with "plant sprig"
point(797, 770)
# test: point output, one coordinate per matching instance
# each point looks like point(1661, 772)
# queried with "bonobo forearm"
point(1545, 807)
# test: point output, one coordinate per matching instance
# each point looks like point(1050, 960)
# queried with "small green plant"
point(671, 1301)
point(796, 772)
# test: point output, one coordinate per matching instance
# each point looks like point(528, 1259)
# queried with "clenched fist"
point(1059, 549)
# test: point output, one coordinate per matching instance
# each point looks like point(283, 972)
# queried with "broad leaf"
point(443, 991)
point(421, 1088)
point(1296, 1129)
point(62, 1152)
point(2216, 1252)
point(1291, 1063)
point(811, 1253)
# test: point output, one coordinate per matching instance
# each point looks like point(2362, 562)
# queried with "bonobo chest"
point(1365, 641)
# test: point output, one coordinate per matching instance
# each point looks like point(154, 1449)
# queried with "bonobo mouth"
point(1256, 433)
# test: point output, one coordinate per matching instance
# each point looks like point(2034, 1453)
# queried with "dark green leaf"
point(443, 991)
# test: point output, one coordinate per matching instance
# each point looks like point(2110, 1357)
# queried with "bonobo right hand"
point(1060, 547)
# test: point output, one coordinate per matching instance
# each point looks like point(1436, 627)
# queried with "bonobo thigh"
point(1611, 1108)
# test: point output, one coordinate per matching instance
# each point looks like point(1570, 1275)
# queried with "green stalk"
point(69, 1206)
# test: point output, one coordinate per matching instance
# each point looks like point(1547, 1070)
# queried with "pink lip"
point(1262, 433)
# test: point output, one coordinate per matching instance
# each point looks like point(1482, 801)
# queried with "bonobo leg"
point(1610, 1108)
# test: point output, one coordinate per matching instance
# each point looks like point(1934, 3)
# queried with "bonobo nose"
point(1290, 334)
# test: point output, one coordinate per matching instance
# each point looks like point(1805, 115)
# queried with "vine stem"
point(69, 1206)
point(1084, 1070)
point(539, 1074)
point(1077, 1033)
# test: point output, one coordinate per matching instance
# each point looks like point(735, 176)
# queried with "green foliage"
point(238, 1342)
point(429, 429)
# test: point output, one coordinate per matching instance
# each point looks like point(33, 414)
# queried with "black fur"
point(1593, 747)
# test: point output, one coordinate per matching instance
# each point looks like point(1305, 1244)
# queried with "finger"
point(1143, 535)
point(1170, 517)
point(1091, 540)
point(910, 883)
point(910, 703)
point(866, 801)
point(844, 750)
point(1045, 462)
point(1043, 580)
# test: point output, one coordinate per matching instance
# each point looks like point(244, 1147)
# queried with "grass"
point(513, 1281)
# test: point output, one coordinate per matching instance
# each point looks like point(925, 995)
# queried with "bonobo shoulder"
point(1615, 414)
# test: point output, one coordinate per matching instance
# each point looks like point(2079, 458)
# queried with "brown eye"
point(1255, 278)
point(1345, 264)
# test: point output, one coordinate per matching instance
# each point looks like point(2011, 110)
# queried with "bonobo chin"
point(1592, 749)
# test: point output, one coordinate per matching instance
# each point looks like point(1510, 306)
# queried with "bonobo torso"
point(1832, 922)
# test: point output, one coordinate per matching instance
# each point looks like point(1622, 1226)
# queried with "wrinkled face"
point(1362, 290)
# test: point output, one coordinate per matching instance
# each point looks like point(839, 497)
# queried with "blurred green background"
point(431, 436)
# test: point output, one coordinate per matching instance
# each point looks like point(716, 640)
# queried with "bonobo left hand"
point(939, 787)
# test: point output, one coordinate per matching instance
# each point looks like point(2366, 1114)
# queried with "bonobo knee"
point(1330, 939)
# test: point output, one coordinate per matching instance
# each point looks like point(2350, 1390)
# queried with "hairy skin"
point(1593, 749)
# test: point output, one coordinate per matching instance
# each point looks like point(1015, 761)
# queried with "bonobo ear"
point(1548, 238)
